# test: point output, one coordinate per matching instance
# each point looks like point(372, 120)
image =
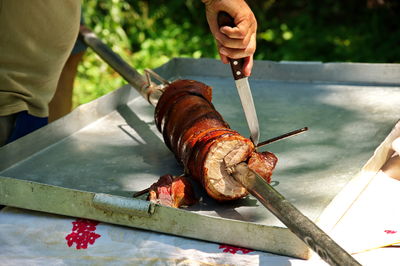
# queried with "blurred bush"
point(330, 30)
point(148, 34)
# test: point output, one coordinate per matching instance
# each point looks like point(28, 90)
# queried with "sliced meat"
point(227, 150)
point(203, 142)
point(172, 191)
point(263, 163)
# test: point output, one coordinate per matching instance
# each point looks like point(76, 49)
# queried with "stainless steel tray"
point(89, 163)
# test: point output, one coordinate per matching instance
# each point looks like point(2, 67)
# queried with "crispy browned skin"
point(175, 91)
point(203, 142)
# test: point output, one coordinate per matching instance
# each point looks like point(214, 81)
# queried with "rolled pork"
point(204, 143)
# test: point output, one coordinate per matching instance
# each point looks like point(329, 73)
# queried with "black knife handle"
point(224, 19)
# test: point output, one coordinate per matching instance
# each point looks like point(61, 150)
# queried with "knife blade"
point(299, 224)
point(242, 85)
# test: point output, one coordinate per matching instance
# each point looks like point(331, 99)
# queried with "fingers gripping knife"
point(242, 85)
point(299, 224)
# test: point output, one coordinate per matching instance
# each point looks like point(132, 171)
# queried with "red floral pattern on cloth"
point(390, 231)
point(83, 233)
point(234, 250)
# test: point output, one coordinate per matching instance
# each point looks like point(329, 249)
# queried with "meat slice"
point(223, 153)
point(172, 191)
point(203, 142)
point(263, 163)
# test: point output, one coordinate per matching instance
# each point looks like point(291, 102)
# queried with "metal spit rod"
point(289, 215)
point(142, 84)
point(299, 224)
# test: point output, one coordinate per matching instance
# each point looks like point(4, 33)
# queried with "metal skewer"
point(142, 192)
point(283, 136)
point(142, 84)
point(289, 215)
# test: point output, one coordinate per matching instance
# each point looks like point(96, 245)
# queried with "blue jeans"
point(25, 124)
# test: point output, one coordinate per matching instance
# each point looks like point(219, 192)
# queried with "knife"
point(242, 85)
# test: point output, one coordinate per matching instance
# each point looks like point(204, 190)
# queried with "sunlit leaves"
point(146, 34)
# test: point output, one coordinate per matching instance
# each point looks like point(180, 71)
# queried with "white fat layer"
point(224, 154)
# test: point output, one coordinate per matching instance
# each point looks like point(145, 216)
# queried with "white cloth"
point(35, 238)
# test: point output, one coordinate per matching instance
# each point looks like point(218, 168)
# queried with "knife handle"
point(224, 19)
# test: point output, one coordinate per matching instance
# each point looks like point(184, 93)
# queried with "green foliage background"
point(148, 34)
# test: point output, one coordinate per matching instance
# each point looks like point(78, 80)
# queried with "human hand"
point(237, 42)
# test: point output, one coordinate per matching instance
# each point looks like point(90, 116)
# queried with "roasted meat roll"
point(204, 143)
